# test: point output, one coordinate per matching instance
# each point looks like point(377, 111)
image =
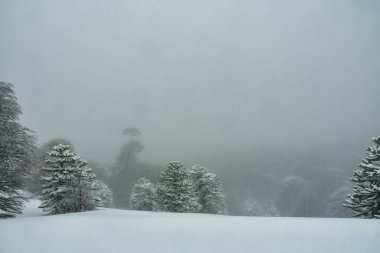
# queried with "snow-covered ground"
point(113, 231)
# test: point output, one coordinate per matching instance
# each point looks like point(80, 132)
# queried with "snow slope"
point(113, 231)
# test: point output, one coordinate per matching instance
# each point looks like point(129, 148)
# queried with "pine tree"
point(250, 207)
point(16, 152)
point(67, 181)
point(103, 195)
point(209, 190)
point(175, 191)
point(143, 195)
point(365, 199)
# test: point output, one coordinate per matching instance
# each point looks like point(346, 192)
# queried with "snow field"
point(114, 231)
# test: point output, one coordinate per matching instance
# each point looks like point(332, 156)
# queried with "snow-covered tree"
point(34, 183)
point(16, 151)
point(103, 195)
point(250, 207)
point(272, 211)
point(365, 199)
point(209, 190)
point(143, 195)
point(67, 183)
point(175, 190)
point(84, 178)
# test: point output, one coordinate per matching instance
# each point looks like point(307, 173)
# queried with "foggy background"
point(233, 85)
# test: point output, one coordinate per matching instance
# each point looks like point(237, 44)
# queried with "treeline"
point(311, 192)
point(180, 190)
point(67, 183)
point(261, 182)
point(307, 183)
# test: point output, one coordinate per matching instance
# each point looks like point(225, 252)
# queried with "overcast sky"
point(194, 76)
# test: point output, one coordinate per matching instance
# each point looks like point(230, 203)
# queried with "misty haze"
point(189, 126)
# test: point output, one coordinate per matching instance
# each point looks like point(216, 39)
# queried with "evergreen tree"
point(67, 181)
point(132, 132)
point(175, 191)
point(103, 195)
point(365, 199)
point(16, 152)
point(34, 183)
point(209, 190)
point(83, 180)
point(142, 196)
point(250, 207)
point(126, 169)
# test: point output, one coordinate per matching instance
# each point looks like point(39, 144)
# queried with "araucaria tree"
point(143, 195)
point(67, 182)
point(365, 199)
point(34, 183)
point(126, 169)
point(175, 191)
point(209, 190)
point(16, 150)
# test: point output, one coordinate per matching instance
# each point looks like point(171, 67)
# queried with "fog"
point(197, 78)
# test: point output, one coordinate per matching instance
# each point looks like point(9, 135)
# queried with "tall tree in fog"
point(16, 150)
point(132, 132)
point(365, 199)
point(128, 155)
point(125, 171)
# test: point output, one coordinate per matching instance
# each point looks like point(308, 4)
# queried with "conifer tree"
point(209, 190)
point(143, 195)
point(16, 153)
point(67, 182)
point(126, 171)
point(83, 180)
point(365, 199)
point(103, 194)
point(175, 191)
